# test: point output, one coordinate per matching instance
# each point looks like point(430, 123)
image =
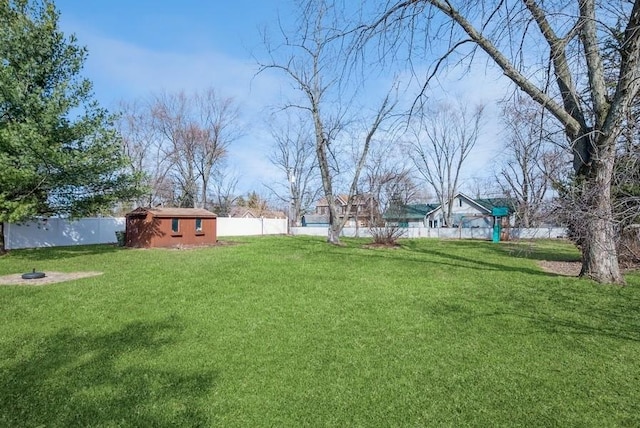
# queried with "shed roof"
point(161, 212)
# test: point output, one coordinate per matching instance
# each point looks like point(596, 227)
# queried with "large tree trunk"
point(335, 227)
point(525, 220)
point(599, 246)
point(205, 185)
point(336, 224)
point(599, 253)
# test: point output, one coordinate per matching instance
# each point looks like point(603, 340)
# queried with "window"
point(198, 225)
point(175, 225)
point(459, 202)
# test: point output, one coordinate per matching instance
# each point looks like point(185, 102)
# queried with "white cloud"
point(137, 71)
point(124, 71)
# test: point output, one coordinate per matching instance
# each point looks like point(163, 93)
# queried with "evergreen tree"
point(59, 152)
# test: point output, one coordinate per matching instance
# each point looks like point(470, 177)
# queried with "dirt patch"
point(561, 268)
point(217, 244)
point(50, 278)
point(388, 246)
point(571, 268)
point(182, 247)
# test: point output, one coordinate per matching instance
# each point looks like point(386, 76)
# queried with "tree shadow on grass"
point(83, 379)
point(576, 313)
point(560, 313)
point(587, 329)
point(538, 251)
point(614, 314)
point(486, 265)
point(445, 258)
point(532, 250)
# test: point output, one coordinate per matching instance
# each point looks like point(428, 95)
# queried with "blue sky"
point(137, 47)
point(140, 31)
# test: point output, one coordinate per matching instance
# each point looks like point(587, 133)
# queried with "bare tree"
point(197, 131)
point(442, 141)
point(389, 181)
point(531, 156)
point(482, 187)
point(178, 142)
point(169, 116)
point(294, 155)
point(516, 37)
point(626, 193)
point(387, 178)
point(626, 179)
point(223, 192)
point(142, 144)
point(219, 119)
point(312, 53)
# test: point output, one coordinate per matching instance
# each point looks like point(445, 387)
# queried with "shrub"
point(629, 247)
point(387, 234)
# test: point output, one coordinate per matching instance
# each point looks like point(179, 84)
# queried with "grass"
point(283, 331)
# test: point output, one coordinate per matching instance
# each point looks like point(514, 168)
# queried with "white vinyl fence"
point(444, 233)
point(56, 232)
point(228, 226)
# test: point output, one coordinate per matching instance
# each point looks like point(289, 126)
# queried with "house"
point(469, 212)
point(466, 212)
point(363, 210)
point(414, 215)
point(170, 227)
point(246, 212)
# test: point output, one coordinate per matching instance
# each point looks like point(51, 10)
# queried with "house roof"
point(472, 201)
point(342, 199)
point(245, 212)
point(490, 203)
point(410, 212)
point(161, 212)
point(242, 212)
point(419, 211)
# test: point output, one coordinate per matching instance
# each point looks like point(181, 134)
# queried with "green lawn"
point(288, 331)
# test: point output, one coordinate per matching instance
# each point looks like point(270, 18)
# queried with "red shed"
point(170, 227)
